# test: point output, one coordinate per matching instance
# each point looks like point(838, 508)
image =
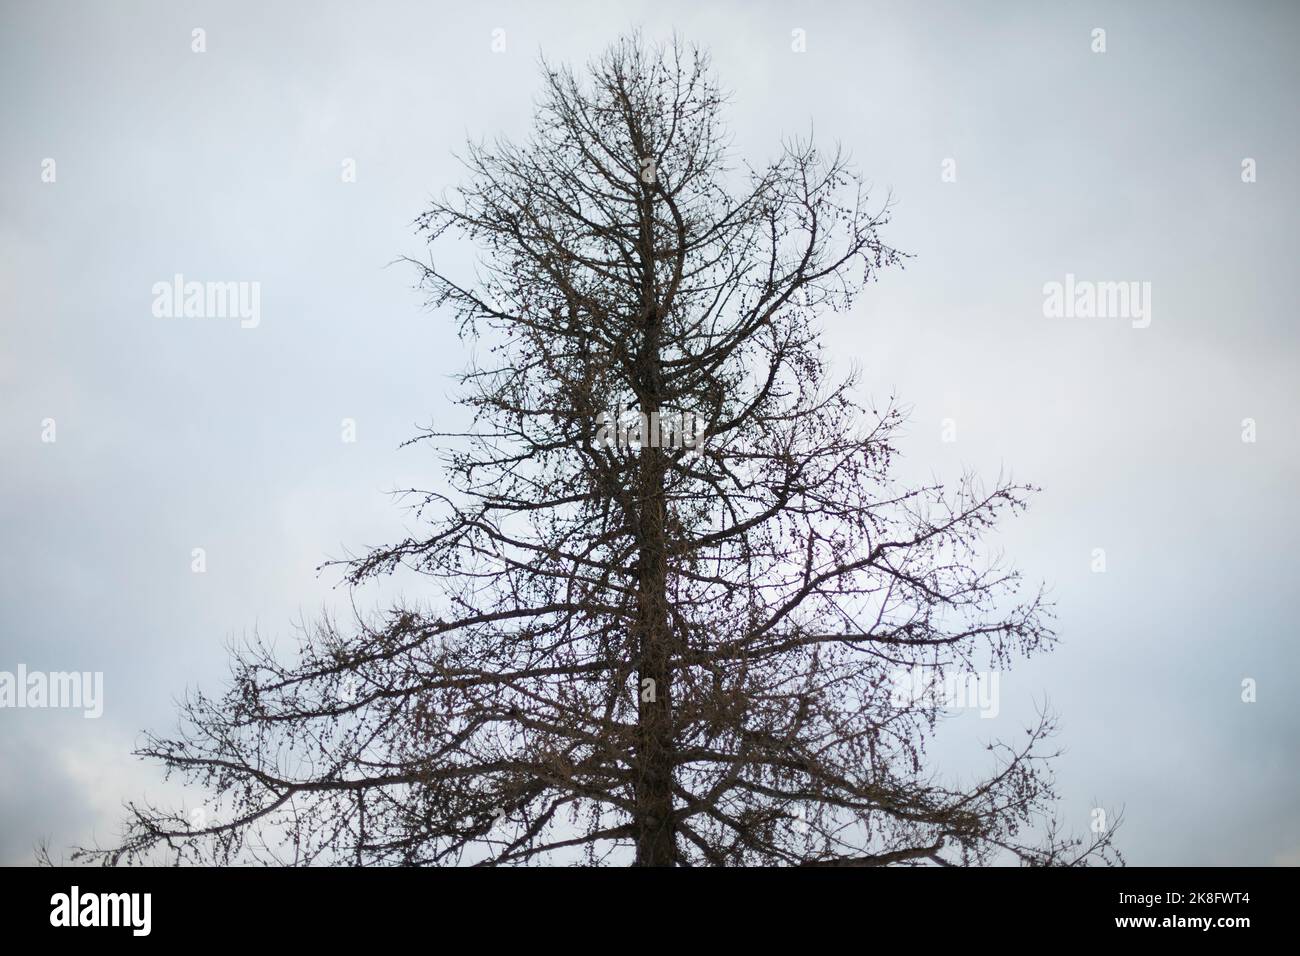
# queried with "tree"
point(673, 644)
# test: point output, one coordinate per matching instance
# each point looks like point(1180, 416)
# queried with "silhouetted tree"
point(674, 651)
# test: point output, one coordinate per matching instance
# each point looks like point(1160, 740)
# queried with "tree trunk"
point(656, 832)
point(656, 843)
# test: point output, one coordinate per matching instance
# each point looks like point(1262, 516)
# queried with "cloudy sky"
point(175, 434)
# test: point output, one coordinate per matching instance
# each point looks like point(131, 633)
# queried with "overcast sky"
point(226, 165)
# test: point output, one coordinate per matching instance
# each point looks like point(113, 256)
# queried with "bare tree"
point(676, 649)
